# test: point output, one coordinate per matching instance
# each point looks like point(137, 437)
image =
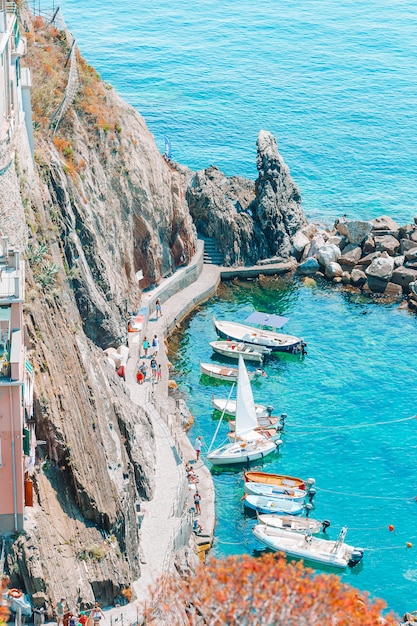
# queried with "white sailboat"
point(250, 445)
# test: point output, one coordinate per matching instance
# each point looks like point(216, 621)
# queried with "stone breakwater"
point(375, 257)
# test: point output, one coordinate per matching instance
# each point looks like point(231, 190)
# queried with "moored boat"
point(296, 524)
point(268, 433)
point(278, 479)
point(271, 422)
point(222, 372)
point(265, 504)
point(250, 445)
point(257, 336)
point(232, 349)
point(306, 546)
point(228, 407)
point(275, 491)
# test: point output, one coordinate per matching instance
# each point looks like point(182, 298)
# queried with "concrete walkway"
point(160, 520)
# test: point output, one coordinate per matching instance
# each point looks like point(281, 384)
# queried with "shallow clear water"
point(333, 81)
point(345, 401)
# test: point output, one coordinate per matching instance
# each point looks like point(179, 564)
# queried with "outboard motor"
point(269, 410)
point(355, 557)
point(308, 507)
point(311, 493)
point(282, 419)
point(324, 525)
point(309, 483)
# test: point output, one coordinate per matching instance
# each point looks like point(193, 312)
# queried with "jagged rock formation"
point(249, 222)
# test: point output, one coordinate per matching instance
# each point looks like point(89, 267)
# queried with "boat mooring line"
point(358, 495)
point(406, 545)
point(364, 425)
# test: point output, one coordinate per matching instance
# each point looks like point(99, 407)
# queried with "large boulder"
point(316, 243)
point(357, 278)
point(411, 255)
point(333, 270)
point(406, 244)
point(385, 224)
point(381, 267)
point(351, 255)
point(299, 242)
point(355, 230)
point(328, 254)
point(387, 243)
point(404, 276)
point(308, 267)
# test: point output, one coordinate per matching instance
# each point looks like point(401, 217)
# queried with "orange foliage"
point(266, 590)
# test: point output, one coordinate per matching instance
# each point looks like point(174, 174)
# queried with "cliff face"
point(99, 204)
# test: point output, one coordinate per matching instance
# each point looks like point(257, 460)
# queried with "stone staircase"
point(212, 256)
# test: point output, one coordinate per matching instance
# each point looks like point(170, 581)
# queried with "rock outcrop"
point(377, 256)
point(249, 222)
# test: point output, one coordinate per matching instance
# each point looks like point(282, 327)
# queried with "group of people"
point(156, 372)
point(66, 617)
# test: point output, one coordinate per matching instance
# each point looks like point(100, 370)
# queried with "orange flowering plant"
point(265, 591)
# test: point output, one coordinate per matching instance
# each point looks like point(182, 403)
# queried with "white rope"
point(353, 427)
point(357, 495)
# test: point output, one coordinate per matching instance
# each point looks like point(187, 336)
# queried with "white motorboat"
point(265, 504)
point(258, 336)
point(250, 445)
point(224, 372)
point(275, 491)
point(268, 433)
point(295, 524)
point(232, 349)
point(305, 546)
point(228, 407)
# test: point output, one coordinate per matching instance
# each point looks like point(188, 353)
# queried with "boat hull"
point(275, 479)
point(287, 522)
point(299, 546)
point(221, 372)
point(229, 407)
point(276, 342)
point(273, 505)
point(234, 453)
point(275, 491)
point(232, 350)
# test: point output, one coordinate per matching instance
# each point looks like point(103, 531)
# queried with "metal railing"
point(73, 78)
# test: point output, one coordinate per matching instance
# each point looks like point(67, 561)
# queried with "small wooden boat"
point(232, 349)
point(278, 479)
point(305, 546)
point(296, 524)
point(276, 342)
point(228, 407)
point(275, 491)
point(265, 504)
point(222, 372)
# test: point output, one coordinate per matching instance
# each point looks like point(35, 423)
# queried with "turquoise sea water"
point(348, 403)
point(335, 84)
point(333, 81)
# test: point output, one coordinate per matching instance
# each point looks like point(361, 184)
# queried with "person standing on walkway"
point(197, 446)
point(145, 345)
point(153, 369)
point(155, 345)
point(197, 500)
point(158, 308)
point(97, 614)
point(159, 373)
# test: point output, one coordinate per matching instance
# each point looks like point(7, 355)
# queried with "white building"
point(15, 107)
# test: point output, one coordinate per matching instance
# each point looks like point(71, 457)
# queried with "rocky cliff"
point(99, 204)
